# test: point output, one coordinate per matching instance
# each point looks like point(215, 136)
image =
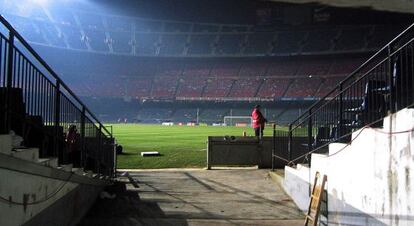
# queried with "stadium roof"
point(402, 6)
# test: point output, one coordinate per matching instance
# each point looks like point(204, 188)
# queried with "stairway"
point(368, 179)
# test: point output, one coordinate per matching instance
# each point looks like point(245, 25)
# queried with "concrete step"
point(302, 167)
point(29, 154)
point(405, 115)
point(278, 176)
point(50, 162)
point(335, 147)
point(66, 167)
point(6, 144)
point(78, 171)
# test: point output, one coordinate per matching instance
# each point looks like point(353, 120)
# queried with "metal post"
point(393, 100)
point(57, 120)
point(82, 135)
point(310, 136)
point(290, 142)
point(341, 109)
point(99, 155)
point(198, 110)
point(274, 147)
point(9, 84)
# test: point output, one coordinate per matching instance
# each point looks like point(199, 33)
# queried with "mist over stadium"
point(231, 112)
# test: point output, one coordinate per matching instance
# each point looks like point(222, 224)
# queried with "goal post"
point(237, 120)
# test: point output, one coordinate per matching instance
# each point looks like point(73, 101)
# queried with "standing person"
point(258, 121)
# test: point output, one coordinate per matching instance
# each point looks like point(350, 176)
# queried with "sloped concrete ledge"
point(28, 167)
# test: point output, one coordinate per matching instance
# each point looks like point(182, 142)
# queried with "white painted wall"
point(296, 184)
point(371, 181)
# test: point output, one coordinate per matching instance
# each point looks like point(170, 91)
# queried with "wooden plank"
point(315, 200)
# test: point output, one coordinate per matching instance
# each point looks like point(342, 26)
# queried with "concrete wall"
point(239, 151)
point(36, 192)
point(32, 196)
point(370, 181)
point(225, 151)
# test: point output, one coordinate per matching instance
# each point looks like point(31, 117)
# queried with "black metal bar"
point(46, 66)
point(57, 118)
point(274, 147)
point(290, 142)
point(340, 112)
point(310, 136)
point(9, 82)
point(99, 160)
point(391, 78)
point(82, 137)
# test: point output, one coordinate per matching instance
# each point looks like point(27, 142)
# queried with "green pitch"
point(179, 146)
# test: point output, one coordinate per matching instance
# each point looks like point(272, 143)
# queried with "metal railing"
point(37, 105)
point(380, 86)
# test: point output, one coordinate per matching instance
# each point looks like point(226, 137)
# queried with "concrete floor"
point(198, 197)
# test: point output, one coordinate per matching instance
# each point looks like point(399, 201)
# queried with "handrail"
point(383, 84)
point(48, 68)
point(314, 112)
point(354, 72)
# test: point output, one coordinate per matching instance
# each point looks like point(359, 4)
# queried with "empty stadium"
point(138, 112)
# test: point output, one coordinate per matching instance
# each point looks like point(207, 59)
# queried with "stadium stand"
point(314, 67)
point(225, 69)
point(164, 87)
point(303, 68)
point(119, 24)
point(51, 34)
point(213, 115)
point(97, 40)
point(146, 43)
point(253, 69)
point(229, 44)
point(121, 42)
point(282, 68)
point(142, 37)
point(320, 40)
point(139, 88)
point(245, 87)
point(74, 37)
point(274, 87)
point(173, 44)
point(197, 69)
point(201, 44)
point(258, 43)
point(288, 115)
point(191, 87)
point(304, 87)
point(327, 85)
point(299, 78)
point(154, 115)
point(185, 115)
point(288, 42)
point(352, 38)
point(218, 87)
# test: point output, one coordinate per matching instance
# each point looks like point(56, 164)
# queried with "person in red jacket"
point(258, 121)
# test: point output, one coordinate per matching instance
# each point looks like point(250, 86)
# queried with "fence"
point(37, 105)
point(380, 86)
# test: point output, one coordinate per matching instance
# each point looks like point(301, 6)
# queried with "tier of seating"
point(209, 115)
point(291, 79)
point(209, 87)
point(140, 37)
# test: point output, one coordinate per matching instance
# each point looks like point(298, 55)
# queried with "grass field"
point(179, 146)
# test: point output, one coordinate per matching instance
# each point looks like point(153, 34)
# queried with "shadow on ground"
point(196, 197)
